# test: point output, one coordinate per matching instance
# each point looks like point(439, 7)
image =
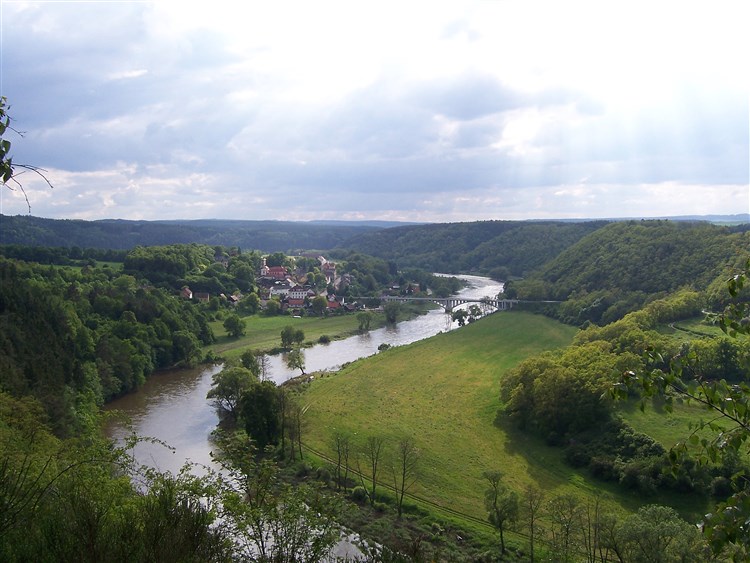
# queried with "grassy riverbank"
point(264, 333)
point(443, 392)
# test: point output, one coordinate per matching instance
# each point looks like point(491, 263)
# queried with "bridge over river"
point(449, 303)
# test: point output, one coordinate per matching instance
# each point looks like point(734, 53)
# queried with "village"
point(295, 293)
point(299, 289)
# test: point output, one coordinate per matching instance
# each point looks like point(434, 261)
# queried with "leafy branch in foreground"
point(8, 169)
point(680, 378)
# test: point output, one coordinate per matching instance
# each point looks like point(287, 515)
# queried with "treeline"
point(268, 236)
point(203, 268)
point(563, 397)
point(622, 266)
point(61, 255)
point(502, 249)
point(370, 276)
point(74, 339)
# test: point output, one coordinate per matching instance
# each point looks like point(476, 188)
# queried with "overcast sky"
point(410, 111)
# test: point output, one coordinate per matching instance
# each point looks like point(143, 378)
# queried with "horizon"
point(427, 113)
point(740, 217)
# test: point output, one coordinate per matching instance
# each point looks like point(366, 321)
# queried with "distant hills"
point(502, 249)
point(267, 236)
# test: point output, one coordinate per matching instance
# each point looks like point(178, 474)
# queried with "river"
point(172, 405)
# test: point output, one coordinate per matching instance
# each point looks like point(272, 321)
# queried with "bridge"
point(449, 303)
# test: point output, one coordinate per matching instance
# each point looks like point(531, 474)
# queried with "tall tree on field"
point(405, 470)
point(501, 504)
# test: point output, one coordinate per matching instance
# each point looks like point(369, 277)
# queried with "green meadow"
point(443, 392)
point(264, 333)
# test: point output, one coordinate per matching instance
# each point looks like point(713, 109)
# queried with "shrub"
point(359, 494)
point(324, 339)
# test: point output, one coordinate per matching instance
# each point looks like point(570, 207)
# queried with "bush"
point(359, 494)
point(380, 507)
point(324, 339)
point(322, 474)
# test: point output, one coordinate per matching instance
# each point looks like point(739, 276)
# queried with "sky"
point(400, 111)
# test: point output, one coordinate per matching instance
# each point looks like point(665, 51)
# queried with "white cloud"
point(421, 111)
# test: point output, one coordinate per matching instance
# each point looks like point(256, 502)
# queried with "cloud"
point(419, 112)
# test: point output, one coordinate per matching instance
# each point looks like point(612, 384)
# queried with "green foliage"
point(260, 411)
point(228, 387)
point(268, 236)
point(616, 268)
point(680, 377)
point(501, 504)
point(319, 304)
point(558, 394)
point(77, 338)
point(270, 520)
point(485, 246)
point(234, 326)
point(295, 359)
point(291, 336)
point(364, 318)
point(73, 500)
point(392, 310)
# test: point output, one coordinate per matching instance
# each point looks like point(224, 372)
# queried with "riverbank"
point(263, 334)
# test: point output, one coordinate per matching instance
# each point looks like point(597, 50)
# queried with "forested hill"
point(622, 265)
point(499, 248)
point(267, 236)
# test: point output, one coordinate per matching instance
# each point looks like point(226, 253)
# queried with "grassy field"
point(264, 333)
point(444, 392)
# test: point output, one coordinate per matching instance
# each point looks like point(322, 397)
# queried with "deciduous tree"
point(404, 470)
point(228, 387)
point(501, 504)
point(234, 325)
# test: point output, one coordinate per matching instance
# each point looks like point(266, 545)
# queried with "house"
point(280, 288)
point(202, 297)
point(273, 272)
point(295, 303)
point(186, 293)
point(299, 292)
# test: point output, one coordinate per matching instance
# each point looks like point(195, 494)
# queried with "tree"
point(273, 307)
point(234, 325)
point(276, 259)
point(372, 449)
point(564, 512)
point(341, 444)
point(250, 304)
point(531, 504)
point(319, 304)
point(474, 312)
point(269, 520)
point(291, 336)
point(392, 310)
point(680, 377)
point(249, 361)
point(295, 359)
point(460, 316)
point(260, 412)
point(405, 470)
point(228, 387)
point(501, 504)
point(657, 534)
point(364, 318)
